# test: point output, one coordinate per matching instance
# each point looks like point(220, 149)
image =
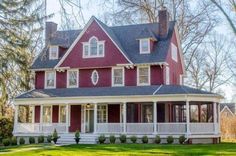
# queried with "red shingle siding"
point(37, 114)
point(39, 79)
point(55, 114)
point(61, 79)
point(114, 113)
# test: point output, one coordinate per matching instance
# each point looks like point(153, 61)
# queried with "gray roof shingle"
point(113, 91)
point(125, 37)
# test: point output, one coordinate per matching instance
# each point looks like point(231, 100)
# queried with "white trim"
point(226, 107)
point(123, 76)
point(45, 79)
point(157, 90)
point(77, 78)
point(94, 82)
point(79, 37)
point(57, 52)
point(167, 75)
point(174, 52)
point(89, 52)
point(149, 76)
point(181, 79)
point(140, 46)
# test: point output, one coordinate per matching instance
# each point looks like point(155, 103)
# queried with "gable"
point(74, 58)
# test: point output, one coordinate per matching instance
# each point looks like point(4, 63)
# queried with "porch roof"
point(113, 91)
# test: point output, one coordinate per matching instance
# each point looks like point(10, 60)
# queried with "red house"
point(115, 80)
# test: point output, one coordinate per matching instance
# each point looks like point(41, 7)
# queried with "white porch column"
point(218, 113)
point(33, 114)
point(124, 117)
point(41, 118)
point(95, 118)
point(155, 116)
point(215, 118)
point(67, 118)
point(187, 117)
point(16, 117)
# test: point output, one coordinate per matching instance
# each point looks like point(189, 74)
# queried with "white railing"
point(49, 127)
point(140, 128)
point(171, 128)
point(27, 128)
point(201, 128)
point(109, 128)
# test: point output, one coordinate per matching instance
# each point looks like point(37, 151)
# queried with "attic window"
point(93, 48)
point(53, 52)
point(144, 46)
point(174, 54)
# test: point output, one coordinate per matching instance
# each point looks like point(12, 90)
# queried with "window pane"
point(143, 75)
point(194, 113)
point(102, 113)
point(101, 49)
point(118, 76)
point(25, 114)
point(86, 50)
point(93, 47)
point(62, 114)
point(72, 78)
point(53, 52)
point(147, 113)
point(94, 77)
point(47, 114)
point(144, 45)
point(50, 79)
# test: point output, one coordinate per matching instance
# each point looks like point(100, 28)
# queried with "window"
point(53, 52)
point(94, 77)
point(174, 54)
point(118, 76)
point(62, 115)
point(72, 78)
point(144, 46)
point(50, 79)
point(93, 48)
point(181, 79)
point(194, 115)
point(147, 113)
point(25, 114)
point(167, 75)
point(143, 75)
point(102, 113)
point(179, 113)
point(47, 114)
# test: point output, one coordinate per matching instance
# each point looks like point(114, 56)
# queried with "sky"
point(96, 8)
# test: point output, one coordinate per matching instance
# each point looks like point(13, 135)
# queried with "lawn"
point(120, 149)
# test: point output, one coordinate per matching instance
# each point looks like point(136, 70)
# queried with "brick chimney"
point(163, 18)
point(50, 28)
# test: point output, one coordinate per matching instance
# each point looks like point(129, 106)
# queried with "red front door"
point(75, 118)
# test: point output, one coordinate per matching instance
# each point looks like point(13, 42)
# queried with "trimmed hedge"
point(31, 140)
point(22, 141)
point(133, 139)
point(41, 139)
point(123, 138)
point(101, 139)
point(112, 139)
point(13, 141)
point(6, 142)
point(170, 139)
point(145, 139)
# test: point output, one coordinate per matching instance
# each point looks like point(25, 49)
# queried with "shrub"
point(31, 140)
point(145, 139)
point(101, 139)
point(6, 127)
point(157, 139)
point(112, 139)
point(123, 138)
point(49, 138)
point(77, 136)
point(6, 142)
point(55, 136)
point(182, 139)
point(13, 141)
point(133, 139)
point(170, 139)
point(22, 141)
point(41, 139)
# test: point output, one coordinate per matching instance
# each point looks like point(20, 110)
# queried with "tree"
point(20, 26)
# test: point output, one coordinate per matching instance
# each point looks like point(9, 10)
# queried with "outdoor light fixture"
point(87, 105)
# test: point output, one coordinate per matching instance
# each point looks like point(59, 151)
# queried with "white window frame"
point(167, 75)
point(94, 83)
point(45, 80)
point(123, 76)
point(174, 52)
point(77, 78)
point(59, 113)
point(181, 79)
point(149, 76)
point(50, 52)
point(106, 112)
point(50, 115)
point(140, 46)
point(89, 53)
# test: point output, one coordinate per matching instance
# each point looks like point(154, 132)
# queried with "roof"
point(125, 37)
point(231, 107)
point(113, 91)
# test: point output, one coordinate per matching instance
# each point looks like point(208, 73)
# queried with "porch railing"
point(109, 128)
point(139, 128)
point(201, 128)
point(49, 127)
point(171, 128)
point(27, 128)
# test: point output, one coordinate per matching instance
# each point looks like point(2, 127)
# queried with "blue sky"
point(96, 8)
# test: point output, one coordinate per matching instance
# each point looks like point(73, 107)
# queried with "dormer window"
point(53, 52)
point(93, 48)
point(144, 46)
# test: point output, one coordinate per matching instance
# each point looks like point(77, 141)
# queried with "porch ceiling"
point(115, 91)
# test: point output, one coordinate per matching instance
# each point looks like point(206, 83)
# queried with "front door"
point(89, 120)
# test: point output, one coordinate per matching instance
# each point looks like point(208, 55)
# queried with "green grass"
point(120, 149)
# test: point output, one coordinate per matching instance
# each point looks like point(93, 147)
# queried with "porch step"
point(84, 138)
